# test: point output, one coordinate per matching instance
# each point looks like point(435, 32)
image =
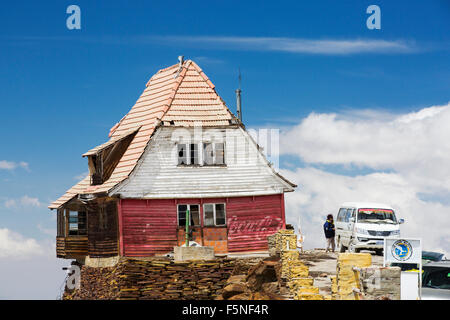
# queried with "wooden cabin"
point(179, 148)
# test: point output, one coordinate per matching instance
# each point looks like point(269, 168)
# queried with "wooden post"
point(187, 228)
point(119, 211)
point(283, 215)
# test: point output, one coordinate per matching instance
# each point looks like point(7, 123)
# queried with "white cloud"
point(10, 165)
point(29, 201)
point(10, 203)
point(293, 45)
point(408, 156)
point(25, 201)
point(14, 245)
point(29, 268)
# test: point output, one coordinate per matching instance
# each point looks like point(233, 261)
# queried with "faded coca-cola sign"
point(266, 225)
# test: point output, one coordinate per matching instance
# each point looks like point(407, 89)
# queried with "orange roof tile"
point(179, 97)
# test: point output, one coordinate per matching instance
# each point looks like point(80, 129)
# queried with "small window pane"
point(220, 214)
point(194, 153)
point(220, 153)
point(208, 154)
point(194, 215)
point(209, 215)
point(182, 154)
point(182, 215)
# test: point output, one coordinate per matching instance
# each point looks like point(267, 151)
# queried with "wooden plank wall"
point(103, 239)
point(149, 227)
point(251, 220)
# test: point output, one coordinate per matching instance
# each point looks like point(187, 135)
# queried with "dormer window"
point(102, 160)
point(212, 154)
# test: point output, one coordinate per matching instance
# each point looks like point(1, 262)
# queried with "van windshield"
point(376, 216)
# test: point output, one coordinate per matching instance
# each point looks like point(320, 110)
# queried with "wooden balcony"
point(71, 247)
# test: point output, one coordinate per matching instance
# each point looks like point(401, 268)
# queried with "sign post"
point(404, 251)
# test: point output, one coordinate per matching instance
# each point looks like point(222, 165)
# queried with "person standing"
point(329, 230)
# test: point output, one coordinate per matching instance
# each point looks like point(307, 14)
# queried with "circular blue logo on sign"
point(401, 250)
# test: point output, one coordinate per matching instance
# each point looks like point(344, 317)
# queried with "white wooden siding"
point(157, 174)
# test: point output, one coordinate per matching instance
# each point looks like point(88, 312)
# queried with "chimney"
point(238, 99)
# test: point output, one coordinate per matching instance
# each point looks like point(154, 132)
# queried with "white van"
point(364, 225)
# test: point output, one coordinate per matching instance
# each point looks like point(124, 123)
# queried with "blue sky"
point(61, 90)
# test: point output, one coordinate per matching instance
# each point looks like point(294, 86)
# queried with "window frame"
point(188, 208)
point(214, 161)
point(77, 232)
point(214, 204)
point(200, 154)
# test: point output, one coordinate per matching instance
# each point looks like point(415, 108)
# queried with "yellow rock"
point(308, 290)
point(359, 260)
point(301, 282)
point(309, 296)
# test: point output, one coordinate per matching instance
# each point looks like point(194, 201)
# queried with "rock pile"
point(260, 283)
point(161, 278)
point(293, 272)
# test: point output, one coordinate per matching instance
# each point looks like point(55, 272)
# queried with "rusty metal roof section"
point(177, 95)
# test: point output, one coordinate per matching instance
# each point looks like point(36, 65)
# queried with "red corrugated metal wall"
point(149, 226)
point(251, 219)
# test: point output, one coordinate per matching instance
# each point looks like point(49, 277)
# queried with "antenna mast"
point(238, 98)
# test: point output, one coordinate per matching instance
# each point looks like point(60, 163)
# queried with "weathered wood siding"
point(150, 226)
point(158, 176)
point(71, 247)
point(251, 220)
point(103, 229)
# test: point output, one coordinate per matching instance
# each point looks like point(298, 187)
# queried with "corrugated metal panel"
point(149, 226)
point(158, 176)
point(251, 220)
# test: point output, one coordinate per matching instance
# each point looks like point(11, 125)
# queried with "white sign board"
point(402, 250)
point(409, 283)
point(406, 251)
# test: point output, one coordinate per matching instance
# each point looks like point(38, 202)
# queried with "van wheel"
point(341, 247)
point(351, 247)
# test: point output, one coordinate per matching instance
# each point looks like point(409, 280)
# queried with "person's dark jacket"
point(328, 227)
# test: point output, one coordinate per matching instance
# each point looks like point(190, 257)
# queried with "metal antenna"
point(238, 98)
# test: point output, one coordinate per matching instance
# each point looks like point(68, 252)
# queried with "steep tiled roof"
point(179, 96)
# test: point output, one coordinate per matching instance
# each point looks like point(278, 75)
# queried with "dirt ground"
point(322, 265)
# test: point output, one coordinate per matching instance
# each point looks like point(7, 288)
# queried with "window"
point(213, 154)
point(376, 215)
point(341, 214)
point(182, 154)
point(208, 154)
point(214, 214)
point(348, 215)
point(194, 154)
point(188, 154)
point(220, 153)
point(194, 214)
point(77, 223)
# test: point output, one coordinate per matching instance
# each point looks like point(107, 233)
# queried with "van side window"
point(348, 214)
point(341, 214)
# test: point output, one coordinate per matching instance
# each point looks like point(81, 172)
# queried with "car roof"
point(371, 205)
point(443, 263)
